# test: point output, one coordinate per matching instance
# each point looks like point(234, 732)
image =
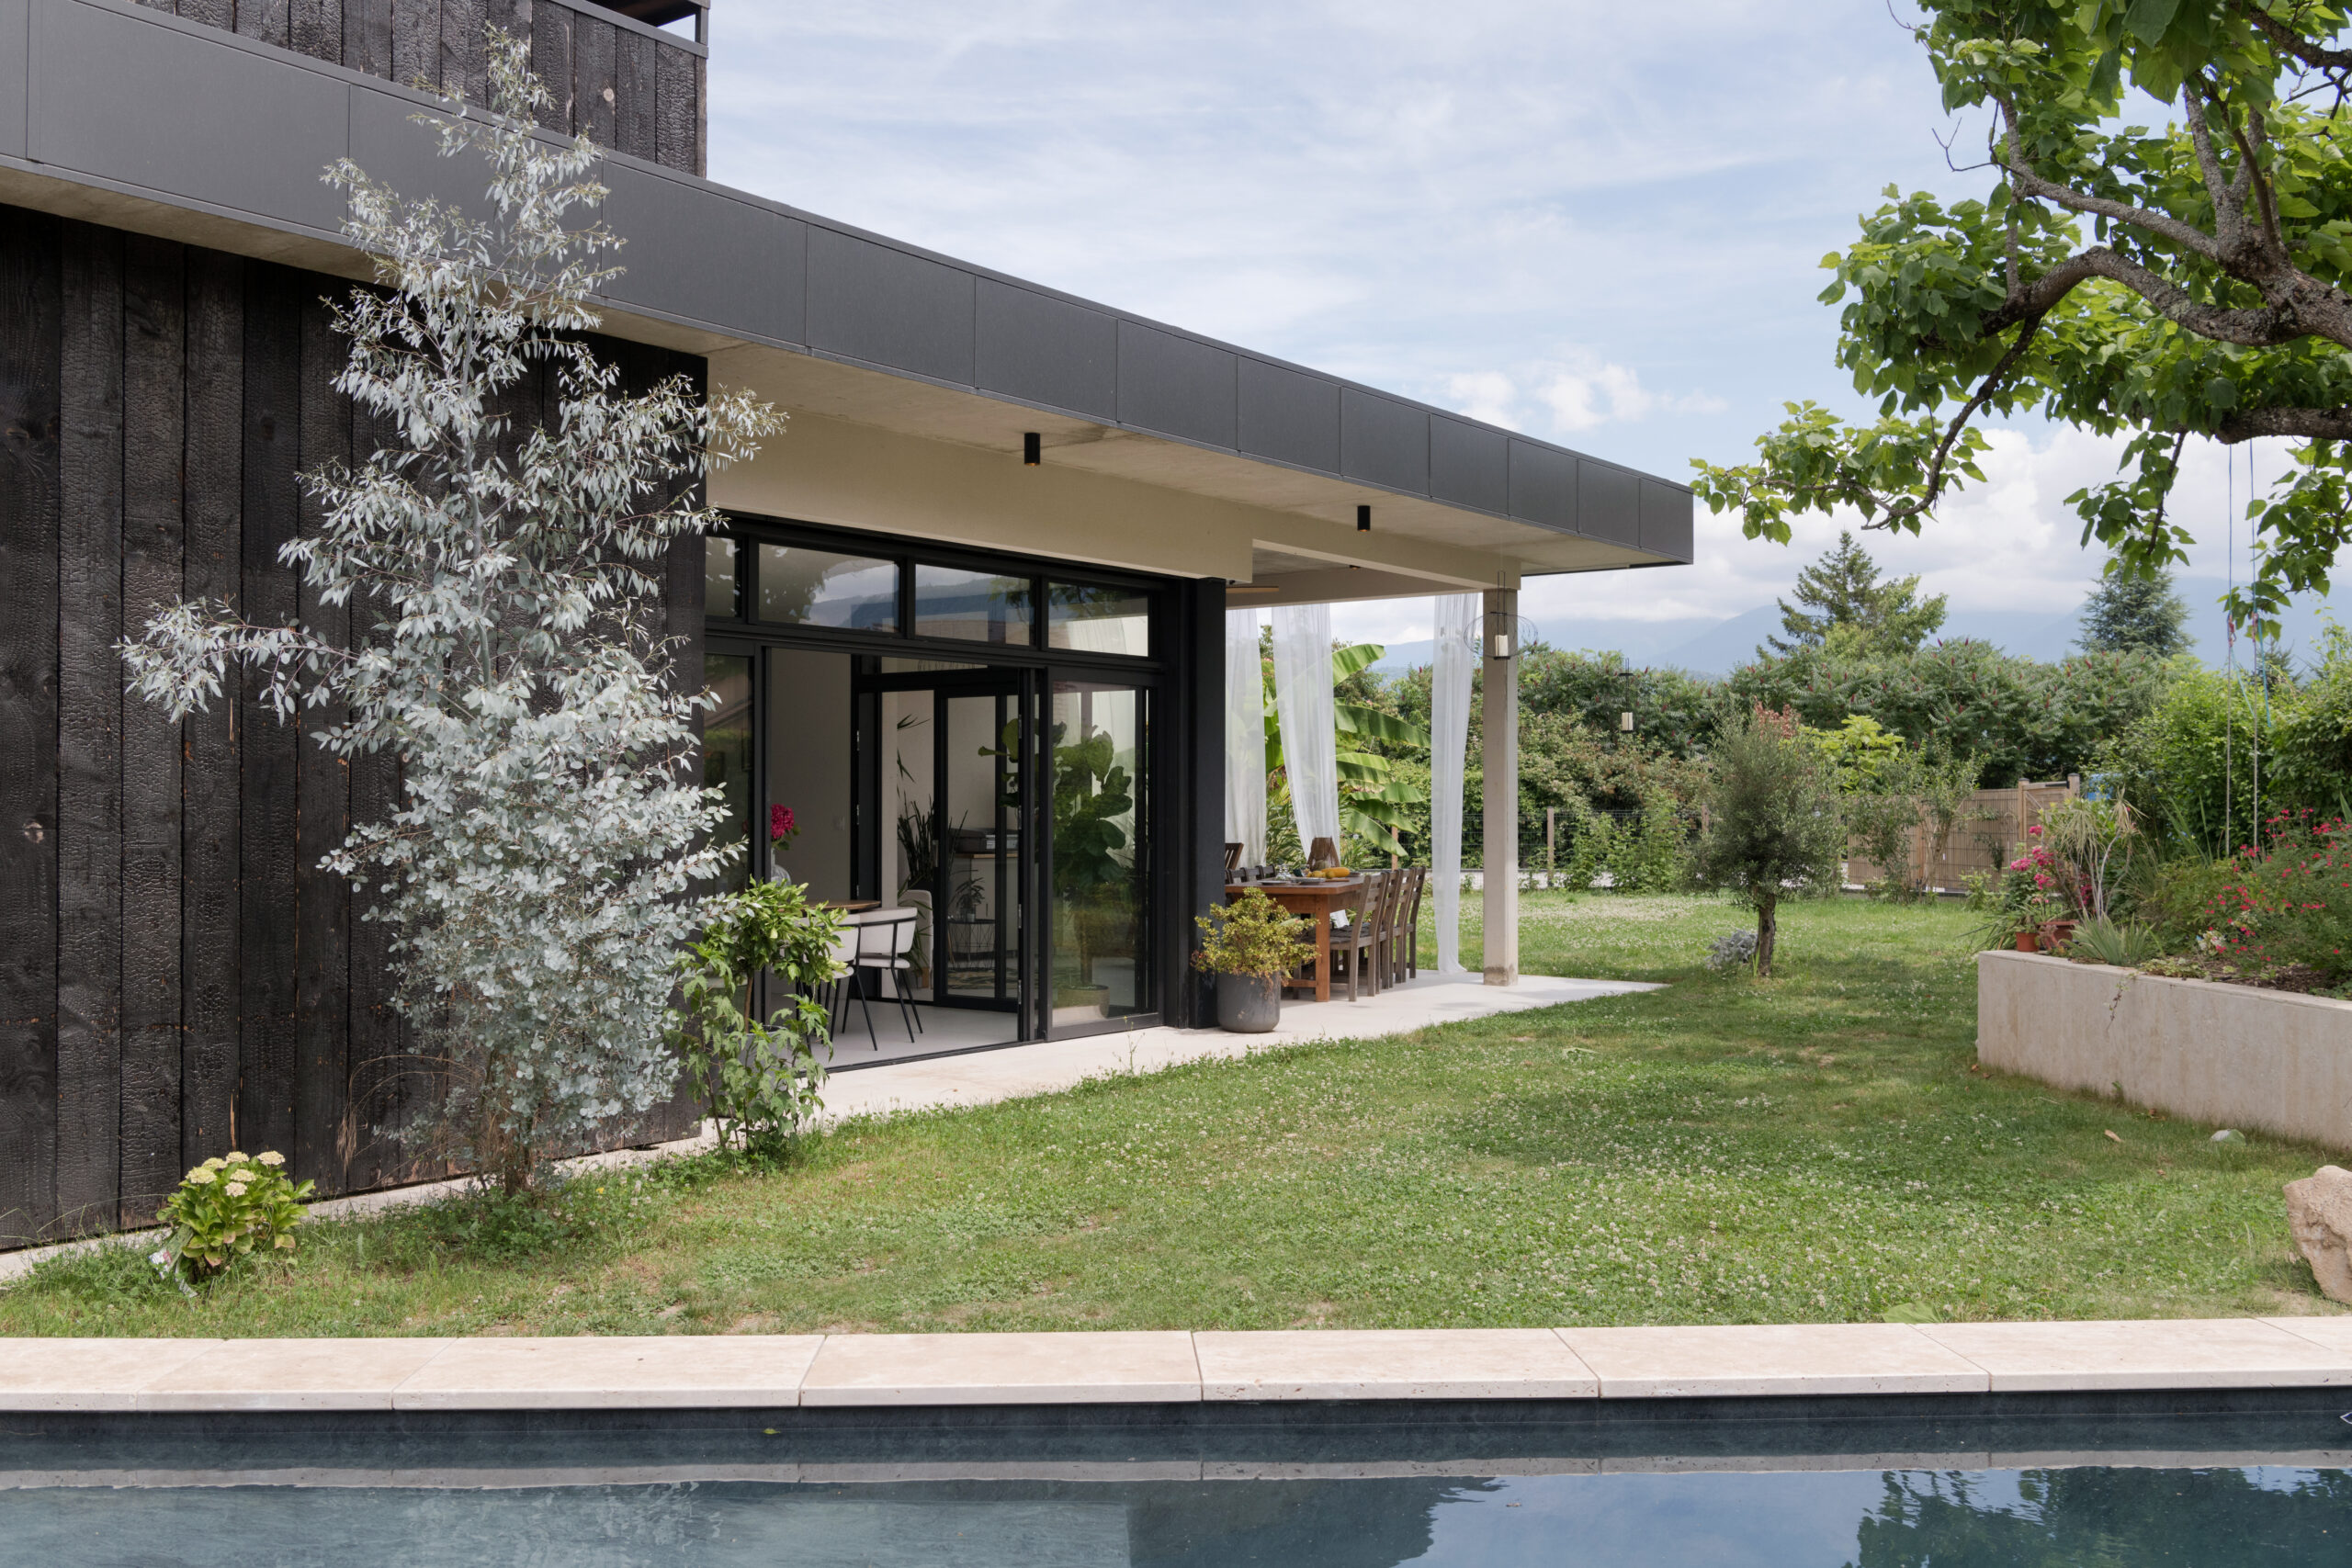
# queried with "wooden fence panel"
point(1984, 839)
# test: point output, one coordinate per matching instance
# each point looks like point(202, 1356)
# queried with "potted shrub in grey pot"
point(1250, 945)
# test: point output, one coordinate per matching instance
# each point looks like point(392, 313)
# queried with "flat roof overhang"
point(130, 116)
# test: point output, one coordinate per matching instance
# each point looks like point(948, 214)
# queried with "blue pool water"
point(2215, 1483)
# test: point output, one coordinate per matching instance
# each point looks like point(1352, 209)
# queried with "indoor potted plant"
point(1250, 945)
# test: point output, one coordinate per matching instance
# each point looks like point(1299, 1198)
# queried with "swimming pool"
point(2216, 1479)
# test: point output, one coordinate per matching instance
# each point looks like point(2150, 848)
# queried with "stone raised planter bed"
point(2233, 1055)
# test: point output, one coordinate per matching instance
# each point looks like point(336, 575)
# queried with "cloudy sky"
point(1598, 223)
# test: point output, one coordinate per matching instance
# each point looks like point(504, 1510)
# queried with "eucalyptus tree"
point(541, 865)
point(2159, 283)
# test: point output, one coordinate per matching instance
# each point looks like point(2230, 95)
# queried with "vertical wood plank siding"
point(89, 731)
point(31, 339)
point(641, 96)
point(178, 976)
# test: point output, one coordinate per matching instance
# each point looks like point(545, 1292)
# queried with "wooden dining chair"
point(1405, 927)
point(1322, 853)
point(1232, 860)
point(1366, 946)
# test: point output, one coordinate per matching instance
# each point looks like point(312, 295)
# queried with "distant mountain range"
point(1716, 647)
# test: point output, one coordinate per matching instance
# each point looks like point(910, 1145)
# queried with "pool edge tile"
point(888, 1369)
point(2117, 1356)
point(266, 1386)
point(1706, 1377)
point(1243, 1366)
point(96, 1396)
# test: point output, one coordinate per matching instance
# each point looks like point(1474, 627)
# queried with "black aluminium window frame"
point(749, 532)
point(1154, 674)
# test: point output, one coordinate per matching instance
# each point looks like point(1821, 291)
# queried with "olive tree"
point(1773, 827)
point(540, 866)
point(2187, 280)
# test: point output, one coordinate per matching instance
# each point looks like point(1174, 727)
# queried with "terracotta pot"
point(2056, 935)
point(2028, 942)
point(1248, 1004)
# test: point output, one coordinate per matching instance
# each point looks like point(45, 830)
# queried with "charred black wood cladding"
point(635, 89)
point(178, 976)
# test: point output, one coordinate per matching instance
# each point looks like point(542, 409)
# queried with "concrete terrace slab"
point(981, 1078)
point(1732, 1361)
point(585, 1372)
point(1392, 1363)
point(2159, 1353)
point(1149, 1368)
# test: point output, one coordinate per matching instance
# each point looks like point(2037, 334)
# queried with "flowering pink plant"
point(781, 826)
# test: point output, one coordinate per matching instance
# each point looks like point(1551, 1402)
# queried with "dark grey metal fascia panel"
point(15, 54)
point(1037, 348)
point(134, 98)
point(394, 151)
point(1176, 385)
point(686, 249)
point(1668, 519)
point(1544, 486)
point(882, 305)
point(1384, 440)
point(1469, 465)
point(631, 24)
point(1287, 416)
point(1609, 503)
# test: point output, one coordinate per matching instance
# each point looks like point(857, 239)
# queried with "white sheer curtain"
point(1310, 732)
point(1457, 622)
point(1245, 737)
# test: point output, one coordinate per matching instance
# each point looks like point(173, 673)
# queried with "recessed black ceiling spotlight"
point(1032, 447)
point(1363, 519)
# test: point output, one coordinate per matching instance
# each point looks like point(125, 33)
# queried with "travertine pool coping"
point(687, 1371)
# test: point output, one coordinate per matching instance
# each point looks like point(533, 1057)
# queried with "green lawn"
point(1819, 1147)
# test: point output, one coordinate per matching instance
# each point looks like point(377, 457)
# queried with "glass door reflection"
point(1097, 735)
point(982, 848)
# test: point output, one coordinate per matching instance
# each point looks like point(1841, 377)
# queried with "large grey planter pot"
point(1248, 1004)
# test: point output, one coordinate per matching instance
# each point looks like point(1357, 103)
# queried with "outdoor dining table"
point(1314, 900)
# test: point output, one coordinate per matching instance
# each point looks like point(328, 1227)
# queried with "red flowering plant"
point(2292, 904)
point(782, 828)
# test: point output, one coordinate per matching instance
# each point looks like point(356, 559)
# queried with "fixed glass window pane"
point(720, 597)
point(1091, 618)
point(817, 588)
point(727, 754)
point(977, 606)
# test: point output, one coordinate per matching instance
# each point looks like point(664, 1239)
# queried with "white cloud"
point(1564, 397)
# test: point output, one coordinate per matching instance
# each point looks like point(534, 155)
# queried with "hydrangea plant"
point(226, 1209)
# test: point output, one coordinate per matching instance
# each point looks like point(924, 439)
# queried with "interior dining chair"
point(886, 939)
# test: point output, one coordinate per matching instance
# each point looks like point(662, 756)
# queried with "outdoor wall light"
point(1363, 519)
point(1032, 448)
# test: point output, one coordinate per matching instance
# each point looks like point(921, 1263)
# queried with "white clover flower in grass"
point(509, 642)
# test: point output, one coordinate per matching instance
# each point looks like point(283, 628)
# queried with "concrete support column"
point(1499, 664)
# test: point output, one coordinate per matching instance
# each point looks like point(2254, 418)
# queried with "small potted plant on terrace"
point(1250, 945)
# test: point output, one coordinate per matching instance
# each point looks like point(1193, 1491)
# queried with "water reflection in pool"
point(2095, 1517)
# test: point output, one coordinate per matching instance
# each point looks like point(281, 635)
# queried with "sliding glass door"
point(1097, 761)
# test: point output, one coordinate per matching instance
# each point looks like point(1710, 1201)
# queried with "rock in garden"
point(2319, 1210)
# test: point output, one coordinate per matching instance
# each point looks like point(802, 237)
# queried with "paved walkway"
point(1010, 1072)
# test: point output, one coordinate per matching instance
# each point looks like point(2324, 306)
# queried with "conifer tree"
point(2135, 615)
point(1842, 590)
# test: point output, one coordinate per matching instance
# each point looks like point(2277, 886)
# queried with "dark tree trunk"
point(1767, 925)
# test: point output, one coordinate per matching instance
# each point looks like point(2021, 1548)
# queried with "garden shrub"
point(1773, 824)
point(2291, 902)
point(758, 1080)
point(1252, 935)
point(226, 1209)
